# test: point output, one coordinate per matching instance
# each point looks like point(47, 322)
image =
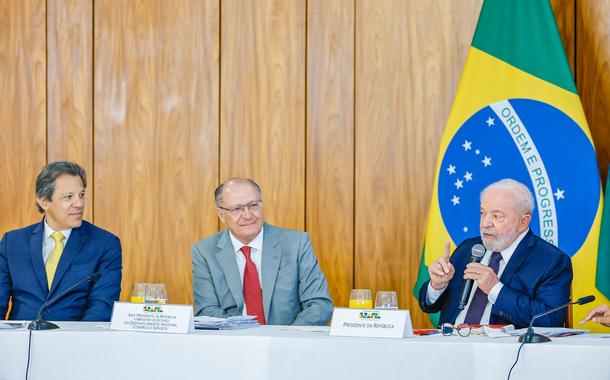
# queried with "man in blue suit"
point(520, 275)
point(40, 261)
point(253, 268)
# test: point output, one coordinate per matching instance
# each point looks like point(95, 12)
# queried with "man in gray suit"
point(253, 268)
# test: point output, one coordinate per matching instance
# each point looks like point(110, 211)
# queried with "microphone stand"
point(41, 324)
point(531, 337)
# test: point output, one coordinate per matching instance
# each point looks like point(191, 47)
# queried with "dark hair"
point(45, 182)
point(220, 189)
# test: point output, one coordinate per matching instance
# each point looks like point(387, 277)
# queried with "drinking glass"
point(386, 300)
point(360, 299)
point(138, 292)
point(156, 293)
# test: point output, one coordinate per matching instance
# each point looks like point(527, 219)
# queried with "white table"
point(91, 351)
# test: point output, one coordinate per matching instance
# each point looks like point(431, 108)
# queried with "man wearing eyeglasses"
point(253, 268)
point(519, 276)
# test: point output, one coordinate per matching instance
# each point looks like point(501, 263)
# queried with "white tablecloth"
point(92, 351)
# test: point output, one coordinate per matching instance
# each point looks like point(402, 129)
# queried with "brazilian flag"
point(517, 114)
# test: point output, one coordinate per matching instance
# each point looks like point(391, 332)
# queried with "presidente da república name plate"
point(149, 317)
point(372, 323)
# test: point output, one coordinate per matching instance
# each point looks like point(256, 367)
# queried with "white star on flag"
point(467, 145)
point(458, 184)
point(455, 200)
point(490, 121)
point(465, 229)
point(486, 161)
point(559, 194)
point(468, 176)
point(477, 152)
point(451, 169)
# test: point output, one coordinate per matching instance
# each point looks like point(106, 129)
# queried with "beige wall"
point(335, 107)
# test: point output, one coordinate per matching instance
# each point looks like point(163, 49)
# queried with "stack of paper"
point(551, 332)
point(231, 323)
point(11, 325)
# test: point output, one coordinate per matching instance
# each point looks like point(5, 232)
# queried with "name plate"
point(372, 323)
point(148, 317)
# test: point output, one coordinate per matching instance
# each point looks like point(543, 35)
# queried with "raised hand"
point(441, 271)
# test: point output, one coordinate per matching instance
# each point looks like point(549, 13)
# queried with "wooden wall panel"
point(156, 134)
point(593, 73)
point(409, 59)
point(330, 141)
point(564, 11)
point(262, 131)
point(22, 110)
point(70, 85)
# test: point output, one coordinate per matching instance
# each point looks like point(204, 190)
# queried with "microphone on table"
point(531, 337)
point(41, 324)
point(476, 255)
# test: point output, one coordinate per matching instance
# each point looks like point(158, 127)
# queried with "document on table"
point(6, 325)
point(231, 323)
point(551, 332)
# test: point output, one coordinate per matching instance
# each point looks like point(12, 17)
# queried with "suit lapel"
point(36, 255)
point(78, 237)
point(228, 263)
point(271, 263)
point(519, 256)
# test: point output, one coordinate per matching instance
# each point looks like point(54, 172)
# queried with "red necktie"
point(253, 294)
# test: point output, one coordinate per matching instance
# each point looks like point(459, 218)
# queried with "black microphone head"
point(95, 276)
point(585, 299)
point(477, 252)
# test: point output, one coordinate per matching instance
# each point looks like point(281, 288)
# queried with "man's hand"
point(441, 271)
point(484, 275)
point(600, 314)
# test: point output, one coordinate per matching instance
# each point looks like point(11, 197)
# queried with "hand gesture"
point(441, 271)
point(484, 275)
point(600, 314)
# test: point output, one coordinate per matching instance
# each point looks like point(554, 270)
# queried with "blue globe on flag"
point(523, 139)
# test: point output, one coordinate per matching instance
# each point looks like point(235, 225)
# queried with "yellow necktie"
point(53, 259)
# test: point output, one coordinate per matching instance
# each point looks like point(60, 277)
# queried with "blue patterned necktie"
point(479, 300)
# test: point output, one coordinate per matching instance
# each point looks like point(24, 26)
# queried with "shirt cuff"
point(495, 292)
point(432, 294)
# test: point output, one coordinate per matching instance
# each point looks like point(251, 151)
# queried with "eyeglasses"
point(238, 210)
point(462, 329)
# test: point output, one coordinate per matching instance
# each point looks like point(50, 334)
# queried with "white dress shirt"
point(48, 243)
point(256, 255)
point(433, 294)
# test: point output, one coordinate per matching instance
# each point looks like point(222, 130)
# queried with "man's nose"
point(79, 203)
point(246, 213)
point(485, 221)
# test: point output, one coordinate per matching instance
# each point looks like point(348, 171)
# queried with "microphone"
point(531, 337)
point(41, 324)
point(477, 253)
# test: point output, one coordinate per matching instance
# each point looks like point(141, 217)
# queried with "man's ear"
point(221, 215)
point(524, 224)
point(43, 203)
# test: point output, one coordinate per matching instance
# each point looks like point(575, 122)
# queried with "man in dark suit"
point(40, 261)
point(253, 268)
point(520, 275)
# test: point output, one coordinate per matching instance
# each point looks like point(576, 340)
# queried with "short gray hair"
point(45, 182)
point(522, 196)
point(218, 193)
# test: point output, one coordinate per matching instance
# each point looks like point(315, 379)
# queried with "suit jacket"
point(537, 278)
point(88, 250)
point(294, 288)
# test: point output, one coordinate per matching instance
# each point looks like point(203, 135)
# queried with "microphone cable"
point(514, 364)
point(27, 367)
